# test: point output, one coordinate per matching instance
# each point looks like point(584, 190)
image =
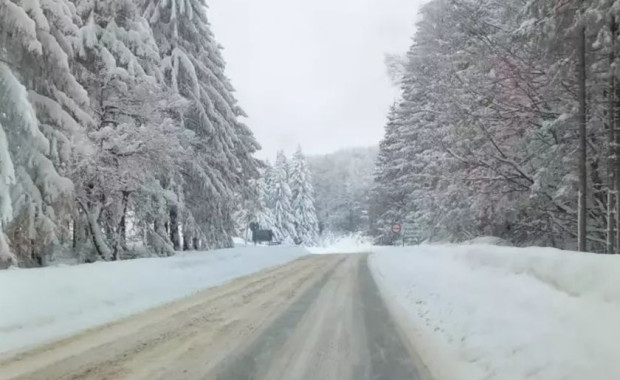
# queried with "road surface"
point(317, 318)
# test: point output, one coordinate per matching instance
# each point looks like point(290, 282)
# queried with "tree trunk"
point(187, 241)
point(583, 175)
point(616, 147)
point(121, 243)
point(75, 233)
point(174, 228)
point(102, 248)
point(612, 190)
point(195, 243)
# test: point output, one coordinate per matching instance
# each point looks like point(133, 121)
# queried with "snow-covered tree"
point(42, 115)
point(307, 226)
point(135, 138)
point(193, 67)
point(483, 140)
point(116, 119)
point(280, 197)
point(264, 214)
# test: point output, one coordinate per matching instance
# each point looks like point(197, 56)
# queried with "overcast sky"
point(312, 72)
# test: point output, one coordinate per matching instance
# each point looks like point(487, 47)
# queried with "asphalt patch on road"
point(389, 357)
point(252, 363)
point(384, 357)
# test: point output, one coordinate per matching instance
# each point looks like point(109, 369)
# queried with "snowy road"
point(320, 317)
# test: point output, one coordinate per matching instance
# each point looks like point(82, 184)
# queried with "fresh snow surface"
point(354, 243)
point(489, 312)
point(487, 240)
point(42, 304)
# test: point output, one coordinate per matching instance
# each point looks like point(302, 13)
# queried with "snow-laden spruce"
point(222, 162)
point(133, 141)
point(307, 224)
point(280, 197)
point(119, 134)
point(264, 215)
point(42, 113)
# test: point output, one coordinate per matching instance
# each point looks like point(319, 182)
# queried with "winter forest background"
point(509, 113)
point(120, 135)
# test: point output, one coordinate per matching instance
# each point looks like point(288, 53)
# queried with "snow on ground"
point(353, 243)
point(487, 240)
point(489, 312)
point(42, 304)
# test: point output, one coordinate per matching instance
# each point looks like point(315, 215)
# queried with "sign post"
point(396, 228)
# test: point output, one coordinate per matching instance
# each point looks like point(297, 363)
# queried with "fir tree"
point(307, 227)
point(41, 118)
point(280, 197)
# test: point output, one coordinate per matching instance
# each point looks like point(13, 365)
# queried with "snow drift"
point(42, 304)
point(489, 312)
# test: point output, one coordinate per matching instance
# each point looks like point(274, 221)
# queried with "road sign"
point(396, 227)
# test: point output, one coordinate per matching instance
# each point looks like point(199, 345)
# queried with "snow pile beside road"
point(38, 305)
point(354, 243)
point(489, 312)
point(487, 240)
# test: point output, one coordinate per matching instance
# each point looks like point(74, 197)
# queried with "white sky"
point(312, 72)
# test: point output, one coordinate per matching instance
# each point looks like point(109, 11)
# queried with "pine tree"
point(41, 118)
point(264, 214)
point(307, 227)
point(193, 67)
point(133, 138)
point(280, 197)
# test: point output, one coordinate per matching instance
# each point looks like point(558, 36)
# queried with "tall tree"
point(307, 228)
point(583, 173)
point(41, 119)
point(222, 164)
point(134, 137)
point(280, 200)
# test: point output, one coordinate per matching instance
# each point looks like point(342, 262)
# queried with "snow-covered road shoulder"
point(488, 312)
point(39, 305)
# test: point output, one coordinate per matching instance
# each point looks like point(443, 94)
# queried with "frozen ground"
point(38, 305)
point(489, 312)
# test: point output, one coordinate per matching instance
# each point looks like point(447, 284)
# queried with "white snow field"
point(42, 304)
point(489, 312)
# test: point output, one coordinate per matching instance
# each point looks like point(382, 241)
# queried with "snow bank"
point(354, 243)
point(487, 240)
point(38, 305)
point(488, 312)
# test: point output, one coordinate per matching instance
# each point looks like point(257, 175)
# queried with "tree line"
point(507, 126)
point(119, 131)
point(283, 201)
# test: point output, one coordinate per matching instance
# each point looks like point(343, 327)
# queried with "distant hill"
point(342, 182)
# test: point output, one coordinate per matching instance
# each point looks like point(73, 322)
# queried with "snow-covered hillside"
point(489, 312)
point(37, 305)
